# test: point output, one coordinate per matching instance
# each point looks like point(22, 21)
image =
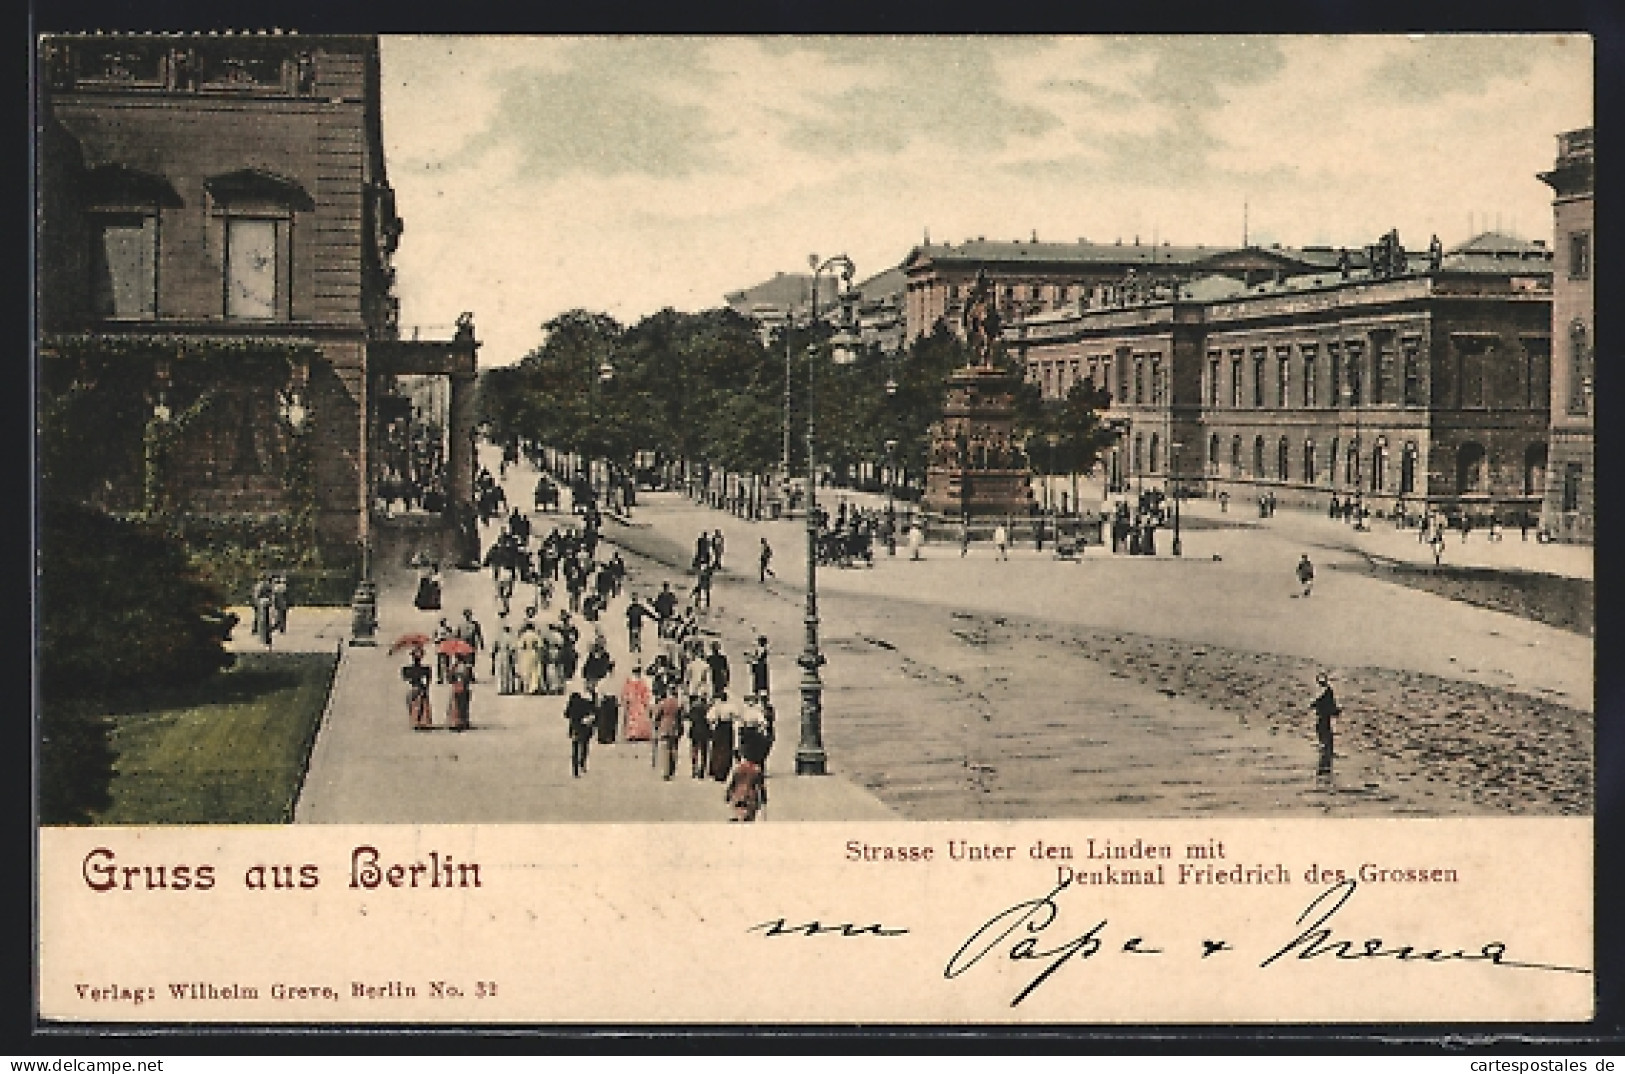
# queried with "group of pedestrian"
point(685, 692)
point(1135, 533)
point(270, 602)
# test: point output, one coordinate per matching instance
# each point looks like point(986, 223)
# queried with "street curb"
point(340, 670)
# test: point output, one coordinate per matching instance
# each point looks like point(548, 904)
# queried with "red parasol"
point(410, 641)
point(455, 647)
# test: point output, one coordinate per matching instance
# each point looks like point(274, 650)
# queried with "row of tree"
point(706, 388)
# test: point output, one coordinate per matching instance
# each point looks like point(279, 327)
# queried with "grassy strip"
point(1565, 603)
point(231, 750)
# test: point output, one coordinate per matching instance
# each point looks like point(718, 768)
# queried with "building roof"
point(883, 285)
point(1500, 244)
point(1084, 253)
point(785, 292)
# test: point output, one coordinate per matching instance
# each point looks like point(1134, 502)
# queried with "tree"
point(122, 613)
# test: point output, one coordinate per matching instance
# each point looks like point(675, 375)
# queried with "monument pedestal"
point(976, 468)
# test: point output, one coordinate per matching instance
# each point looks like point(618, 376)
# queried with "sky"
point(629, 174)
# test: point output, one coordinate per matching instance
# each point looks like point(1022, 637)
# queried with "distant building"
point(879, 313)
point(1570, 508)
point(1039, 277)
point(215, 214)
point(1423, 378)
point(784, 299)
point(787, 298)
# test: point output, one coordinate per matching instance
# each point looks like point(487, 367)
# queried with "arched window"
point(1472, 470)
point(1379, 465)
point(1331, 463)
point(1156, 449)
point(1235, 456)
point(1137, 462)
point(1407, 470)
point(1213, 455)
point(1283, 461)
point(1309, 462)
point(1258, 456)
point(1351, 464)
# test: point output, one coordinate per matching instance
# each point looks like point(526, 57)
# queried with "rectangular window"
point(1413, 372)
point(1382, 364)
point(1309, 375)
point(1537, 364)
point(1283, 376)
point(254, 269)
point(1571, 485)
point(1579, 367)
point(1213, 379)
point(1139, 379)
point(1354, 355)
point(124, 266)
point(1579, 255)
point(1157, 394)
point(1258, 378)
point(1334, 376)
point(1235, 379)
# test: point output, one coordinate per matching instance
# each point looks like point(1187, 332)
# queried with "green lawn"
point(231, 750)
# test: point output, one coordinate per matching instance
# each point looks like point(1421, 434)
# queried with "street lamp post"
point(1179, 548)
point(891, 497)
point(810, 757)
point(1050, 441)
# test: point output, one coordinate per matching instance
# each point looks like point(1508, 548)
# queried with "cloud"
point(946, 90)
point(613, 107)
point(1428, 68)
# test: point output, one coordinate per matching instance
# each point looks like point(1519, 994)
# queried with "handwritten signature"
point(1022, 927)
point(779, 927)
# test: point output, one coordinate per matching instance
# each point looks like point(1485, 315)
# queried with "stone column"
point(460, 463)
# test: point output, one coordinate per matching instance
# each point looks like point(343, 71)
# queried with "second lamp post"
point(810, 757)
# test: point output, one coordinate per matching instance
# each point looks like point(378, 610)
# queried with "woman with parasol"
point(460, 678)
point(416, 674)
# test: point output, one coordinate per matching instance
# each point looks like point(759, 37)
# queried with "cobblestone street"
point(960, 688)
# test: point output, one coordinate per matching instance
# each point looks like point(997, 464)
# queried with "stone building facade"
point(217, 208)
point(1569, 512)
point(1033, 278)
point(1428, 383)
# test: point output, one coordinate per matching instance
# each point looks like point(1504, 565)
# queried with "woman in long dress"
point(528, 658)
point(417, 675)
point(461, 680)
point(553, 660)
point(636, 699)
point(503, 651)
point(721, 718)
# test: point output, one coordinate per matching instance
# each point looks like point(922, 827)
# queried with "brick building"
point(1569, 512)
point(215, 214)
point(1422, 379)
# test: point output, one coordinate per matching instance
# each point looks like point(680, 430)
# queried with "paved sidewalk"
point(310, 630)
point(368, 766)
